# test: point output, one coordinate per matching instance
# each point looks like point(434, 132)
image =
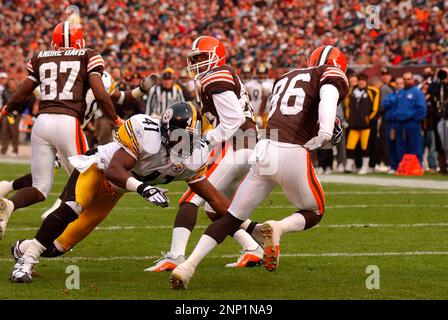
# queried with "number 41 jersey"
point(63, 77)
point(295, 101)
point(140, 136)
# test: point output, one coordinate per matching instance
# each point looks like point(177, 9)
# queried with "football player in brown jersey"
point(225, 102)
point(303, 102)
point(64, 75)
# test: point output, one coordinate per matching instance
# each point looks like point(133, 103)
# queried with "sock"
point(54, 250)
point(245, 240)
point(56, 222)
point(203, 248)
point(34, 250)
point(26, 197)
point(179, 241)
point(294, 223)
point(23, 182)
point(24, 245)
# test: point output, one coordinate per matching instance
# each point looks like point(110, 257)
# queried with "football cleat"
point(5, 188)
point(271, 234)
point(166, 263)
point(248, 258)
point(15, 250)
point(6, 208)
point(23, 270)
point(181, 276)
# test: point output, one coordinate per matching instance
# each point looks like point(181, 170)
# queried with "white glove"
point(148, 82)
point(317, 141)
point(154, 194)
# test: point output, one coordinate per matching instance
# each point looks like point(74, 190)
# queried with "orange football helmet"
point(328, 55)
point(206, 53)
point(68, 35)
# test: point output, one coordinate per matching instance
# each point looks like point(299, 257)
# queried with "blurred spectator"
point(385, 88)
point(430, 123)
point(361, 107)
point(406, 109)
point(278, 33)
point(164, 94)
point(438, 104)
point(10, 123)
point(187, 85)
point(3, 80)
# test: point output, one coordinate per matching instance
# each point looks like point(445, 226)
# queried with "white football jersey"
point(92, 106)
point(255, 90)
point(140, 136)
point(267, 85)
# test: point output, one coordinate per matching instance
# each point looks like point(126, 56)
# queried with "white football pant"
point(227, 169)
point(284, 164)
point(51, 134)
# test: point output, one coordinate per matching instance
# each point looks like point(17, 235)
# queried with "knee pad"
point(76, 207)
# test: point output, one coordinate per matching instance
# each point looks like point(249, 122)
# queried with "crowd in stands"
point(137, 36)
point(140, 37)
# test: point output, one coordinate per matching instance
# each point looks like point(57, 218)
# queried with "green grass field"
point(402, 231)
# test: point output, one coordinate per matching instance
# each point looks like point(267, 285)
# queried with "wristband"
point(121, 100)
point(137, 93)
point(132, 184)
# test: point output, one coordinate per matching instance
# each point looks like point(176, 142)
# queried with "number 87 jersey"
point(294, 103)
point(63, 77)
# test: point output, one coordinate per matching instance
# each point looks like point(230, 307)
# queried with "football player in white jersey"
point(117, 96)
point(146, 151)
point(267, 85)
point(255, 91)
point(224, 101)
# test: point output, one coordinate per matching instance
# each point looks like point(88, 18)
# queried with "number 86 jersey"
point(294, 103)
point(140, 136)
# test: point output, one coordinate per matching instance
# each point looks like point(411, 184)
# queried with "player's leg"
point(227, 178)
point(251, 192)
point(82, 188)
point(302, 188)
point(352, 140)
point(42, 160)
point(365, 136)
point(186, 218)
point(7, 187)
point(77, 146)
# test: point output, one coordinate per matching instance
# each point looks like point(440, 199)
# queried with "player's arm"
point(329, 97)
point(20, 96)
point(211, 195)
point(231, 117)
point(118, 173)
point(102, 97)
point(120, 97)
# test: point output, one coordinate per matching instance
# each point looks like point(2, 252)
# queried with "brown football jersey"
point(218, 80)
point(295, 102)
point(63, 79)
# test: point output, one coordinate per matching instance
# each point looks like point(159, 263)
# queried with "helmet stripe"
point(195, 43)
point(66, 34)
point(325, 53)
point(195, 116)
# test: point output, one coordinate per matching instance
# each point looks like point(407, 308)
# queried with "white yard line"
point(355, 225)
point(293, 255)
point(387, 182)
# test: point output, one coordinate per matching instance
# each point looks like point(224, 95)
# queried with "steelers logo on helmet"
point(167, 116)
point(180, 129)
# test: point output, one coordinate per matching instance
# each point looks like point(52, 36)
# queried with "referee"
point(164, 94)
